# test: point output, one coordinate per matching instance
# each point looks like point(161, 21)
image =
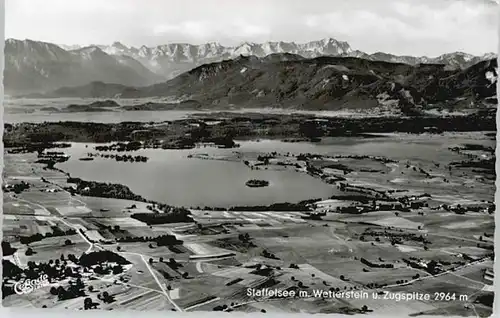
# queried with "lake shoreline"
point(224, 133)
point(333, 174)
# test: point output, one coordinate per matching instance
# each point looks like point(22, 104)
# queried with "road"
point(440, 274)
point(203, 303)
point(160, 284)
point(163, 290)
point(93, 245)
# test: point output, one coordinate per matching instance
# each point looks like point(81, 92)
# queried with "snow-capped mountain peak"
point(89, 52)
point(70, 47)
point(119, 46)
point(161, 62)
point(171, 59)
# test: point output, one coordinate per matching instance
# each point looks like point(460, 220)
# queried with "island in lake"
point(257, 183)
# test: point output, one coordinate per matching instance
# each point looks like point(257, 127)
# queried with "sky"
point(402, 27)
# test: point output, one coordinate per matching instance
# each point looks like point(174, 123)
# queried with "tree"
point(29, 251)
point(432, 266)
point(150, 261)
point(68, 272)
point(364, 308)
point(87, 303)
point(107, 298)
point(91, 288)
point(61, 293)
point(7, 249)
point(73, 258)
point(310, 129)
point(68, 242)
point(118, 269)
point(342, 277)
point(79, 283)
point(53, 291)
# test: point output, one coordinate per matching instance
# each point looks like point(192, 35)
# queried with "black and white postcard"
point(267, 156)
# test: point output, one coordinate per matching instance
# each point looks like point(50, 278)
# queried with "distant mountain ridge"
point(324, 83)
point(172, 59)
point(34, 66)
point(160, 58)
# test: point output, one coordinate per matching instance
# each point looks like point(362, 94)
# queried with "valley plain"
point(390, 208)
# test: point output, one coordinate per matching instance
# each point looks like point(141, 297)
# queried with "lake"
point(170, 177)
point(29, 110)
point(97, 117)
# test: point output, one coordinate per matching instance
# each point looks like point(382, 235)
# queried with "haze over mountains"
point(34, 66)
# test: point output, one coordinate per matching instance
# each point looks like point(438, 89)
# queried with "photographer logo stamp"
point(29, 285)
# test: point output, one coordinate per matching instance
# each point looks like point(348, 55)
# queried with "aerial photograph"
point(272, 156)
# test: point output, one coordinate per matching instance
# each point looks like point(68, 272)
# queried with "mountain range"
point(160, 58)
point(34, 66)
point(287, 80)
